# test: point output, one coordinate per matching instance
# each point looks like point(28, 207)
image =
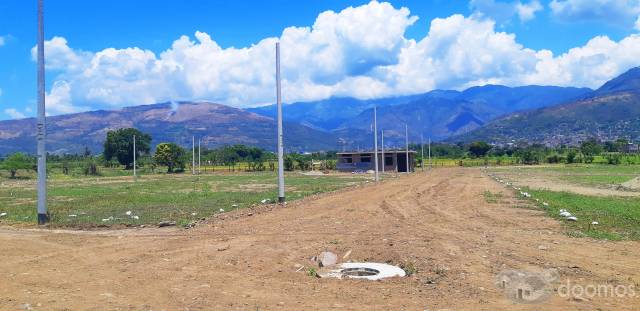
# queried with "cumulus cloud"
point(14, 114)
point(528, 11)
point(505, 11)
point(620, 12)
point(360, 51)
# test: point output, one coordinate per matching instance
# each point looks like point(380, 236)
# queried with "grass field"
point(618, 216)
point(90, 201)
point(598, 175)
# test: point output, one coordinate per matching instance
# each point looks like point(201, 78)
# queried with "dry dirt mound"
point(633, 184)
point(436, 223)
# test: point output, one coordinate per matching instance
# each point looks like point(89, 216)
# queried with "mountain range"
point(214, 124)
point(610, 112)
point(494, 113)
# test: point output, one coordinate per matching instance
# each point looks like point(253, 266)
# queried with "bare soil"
point(439, 222)
point(551, 181)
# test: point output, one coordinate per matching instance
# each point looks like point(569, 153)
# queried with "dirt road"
point(438, 222)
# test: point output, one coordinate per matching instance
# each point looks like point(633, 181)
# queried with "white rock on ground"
point(3, 214)
point(327, 259)
point(572, 218)
point(565, 214)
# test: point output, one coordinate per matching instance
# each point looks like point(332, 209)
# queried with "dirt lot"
point(437, 221)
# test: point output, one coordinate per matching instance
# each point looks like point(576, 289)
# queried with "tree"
point(15, 162)
point(170, 155)
point(119, 145)
point(479, 148)
point(589, 149)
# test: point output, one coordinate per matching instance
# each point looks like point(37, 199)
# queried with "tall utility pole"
point(421, 153)
point(199, 163)
point(375, 141)
point(135, 177)
point(430, 165)
point(193, 155)
point(383, 159)
point(280, 134)
point(406, 137)
point(43, 216)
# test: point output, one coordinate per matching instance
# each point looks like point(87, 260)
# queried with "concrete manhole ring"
point(362, 270)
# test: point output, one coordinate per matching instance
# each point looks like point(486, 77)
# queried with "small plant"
point(409, 268)
point(440, 270)
point(491, 197)
point(312, 272)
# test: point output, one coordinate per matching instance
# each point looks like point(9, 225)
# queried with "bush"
point(90, 169)
point(614, 159)
point(571, 157)
point(304, 164)
point(289, 163)
point(554, 159)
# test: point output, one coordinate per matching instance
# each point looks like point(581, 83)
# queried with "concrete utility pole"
point(421, 153)
point(383, 159)
point(280, 134)
point(193, 155)
point(406, 137)
point(430, 165)
point(135, 177)
point(199, 163)
point(375, 141)
point(43, 216)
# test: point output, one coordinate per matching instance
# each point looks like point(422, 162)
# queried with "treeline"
point(613, 152)
point(119, 152)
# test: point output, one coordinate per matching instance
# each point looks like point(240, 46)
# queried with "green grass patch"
point(590, 175)
point(618, 217)
point(182, 198)
point(597, 180)
point(491, 197)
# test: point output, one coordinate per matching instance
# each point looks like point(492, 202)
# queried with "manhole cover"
point(359, 272)
point(362, 270)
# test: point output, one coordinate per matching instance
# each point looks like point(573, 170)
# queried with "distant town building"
point(395, 161)
point(630, 148)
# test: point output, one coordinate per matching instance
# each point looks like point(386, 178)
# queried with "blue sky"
point(123, 53)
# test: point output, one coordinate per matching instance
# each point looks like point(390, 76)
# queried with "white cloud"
point(619, 12)
point(359, 52)
point(528, 11)
point(590, 65)
point(3, 41)
point(14, 114)
point(59, 99)
point(503, 11)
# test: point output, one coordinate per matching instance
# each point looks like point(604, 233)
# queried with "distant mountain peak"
point(626, 82)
